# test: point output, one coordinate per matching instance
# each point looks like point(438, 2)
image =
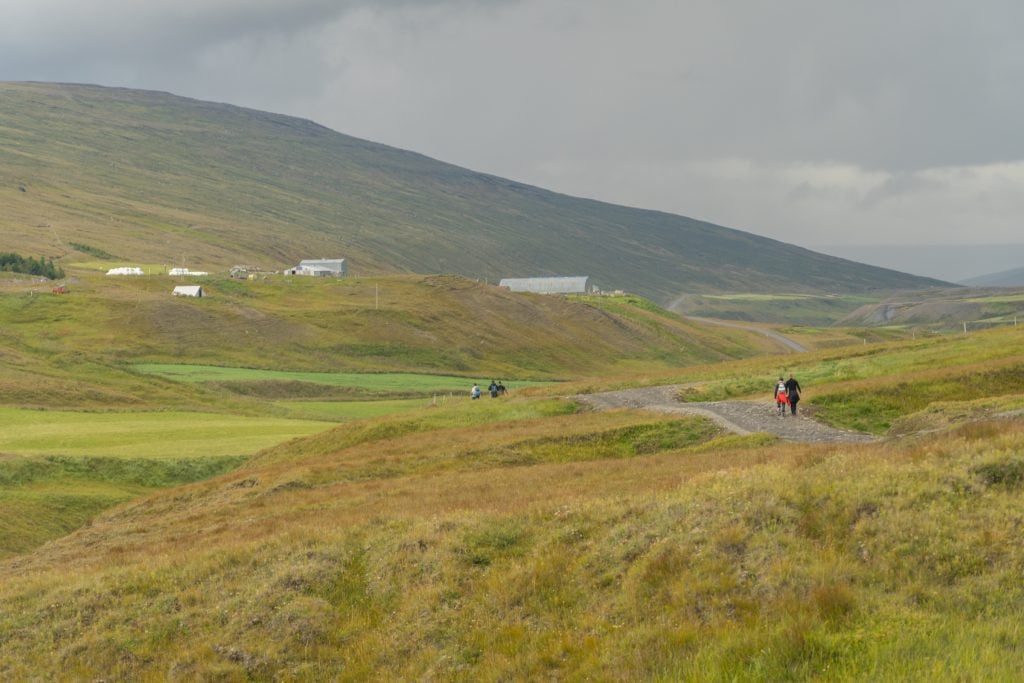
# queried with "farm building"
point(548, 285)
point(188, 290)
point(320, 268)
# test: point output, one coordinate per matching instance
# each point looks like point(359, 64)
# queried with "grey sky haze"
point(816, 122)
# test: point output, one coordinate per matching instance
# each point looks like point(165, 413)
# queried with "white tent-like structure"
point(194, 291)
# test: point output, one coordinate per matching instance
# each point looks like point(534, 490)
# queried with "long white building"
point(549, 285)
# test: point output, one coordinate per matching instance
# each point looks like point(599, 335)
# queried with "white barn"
point(548, 285)
point(333, 267)
point(189, 290)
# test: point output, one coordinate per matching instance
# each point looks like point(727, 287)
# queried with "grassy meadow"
point(546, 542)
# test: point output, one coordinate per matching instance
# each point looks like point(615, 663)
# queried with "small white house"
point(189, 290)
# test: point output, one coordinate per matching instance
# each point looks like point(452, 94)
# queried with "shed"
point(188, 290)
point(549, 285)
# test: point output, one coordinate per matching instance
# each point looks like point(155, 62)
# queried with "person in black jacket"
point(793, 393)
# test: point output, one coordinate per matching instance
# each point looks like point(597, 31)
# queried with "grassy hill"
point(526, 539)
point(78, 350)
point(148, 177)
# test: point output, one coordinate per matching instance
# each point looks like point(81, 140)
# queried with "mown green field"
point(392, 382)
point(144, 435)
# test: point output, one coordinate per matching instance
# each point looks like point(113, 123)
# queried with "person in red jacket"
point(781, 396)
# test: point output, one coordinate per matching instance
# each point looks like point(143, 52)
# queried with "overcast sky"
point(816, 122)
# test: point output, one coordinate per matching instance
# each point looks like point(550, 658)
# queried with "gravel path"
point(739, 417)
point(771, 334)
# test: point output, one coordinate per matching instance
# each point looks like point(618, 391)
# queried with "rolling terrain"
point(529, 538)
point(144, 177)
point(116, 387)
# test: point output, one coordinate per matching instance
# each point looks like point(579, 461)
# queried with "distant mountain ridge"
point(1005, 278)
point(152, 177)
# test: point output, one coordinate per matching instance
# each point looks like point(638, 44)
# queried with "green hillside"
point(81, 349)
point(88, 172)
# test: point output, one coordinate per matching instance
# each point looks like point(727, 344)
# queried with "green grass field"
point(158, 435)
point(392, 382)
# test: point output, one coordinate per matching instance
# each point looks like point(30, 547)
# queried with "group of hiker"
point(787, 393)
point(495, 389)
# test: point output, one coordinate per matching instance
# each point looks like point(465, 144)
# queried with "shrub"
point(1006, 473)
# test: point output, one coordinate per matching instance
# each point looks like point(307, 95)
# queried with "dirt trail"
point(772, 334)
point(738, 417)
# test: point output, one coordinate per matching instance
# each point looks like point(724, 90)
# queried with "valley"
point(287, 478)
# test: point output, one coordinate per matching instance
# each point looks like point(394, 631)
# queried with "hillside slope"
point(150, 177)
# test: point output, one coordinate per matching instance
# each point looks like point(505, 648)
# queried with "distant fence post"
point(965, 328)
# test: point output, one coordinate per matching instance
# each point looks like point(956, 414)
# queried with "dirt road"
point(738, 417)
point(772, 334)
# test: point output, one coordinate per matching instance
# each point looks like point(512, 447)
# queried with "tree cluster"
point(15, 263)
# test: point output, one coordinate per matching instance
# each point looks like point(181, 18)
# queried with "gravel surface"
point(739, 417)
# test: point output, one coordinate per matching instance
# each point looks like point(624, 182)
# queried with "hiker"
point(474, 393)
point(793, 393)
point(493, 389)
point(781, 396)
point(501, 388)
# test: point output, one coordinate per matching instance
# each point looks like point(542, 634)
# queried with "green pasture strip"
point(29, 518)
point(1003, 299)
point(146, 435)
point(26, 472)
point(347, 411)
point(382, 382)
